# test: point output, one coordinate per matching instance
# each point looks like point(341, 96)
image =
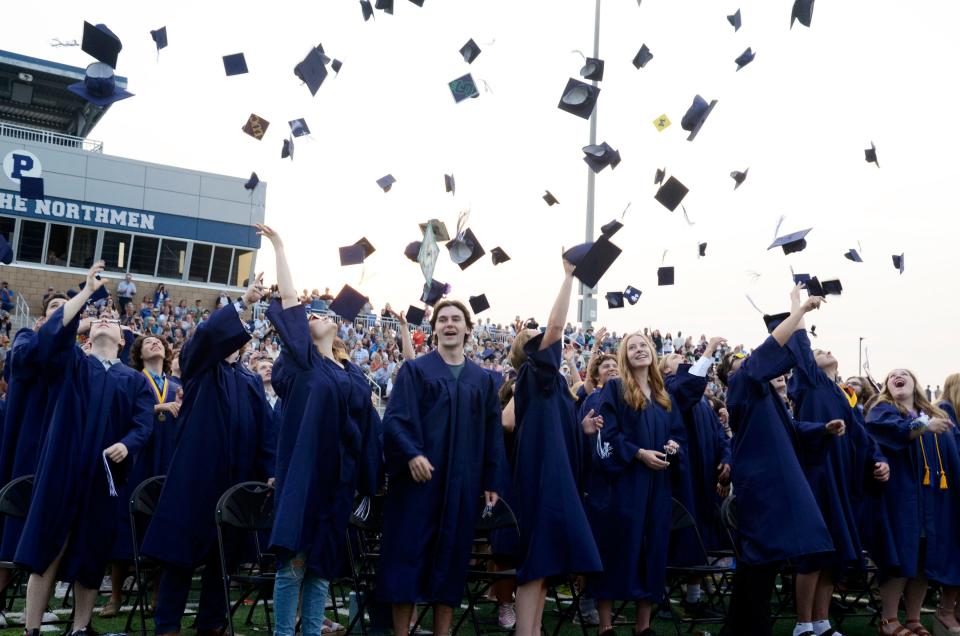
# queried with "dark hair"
point(136, 353)
point(443, 304)
point(723, 369)
point(46, 303)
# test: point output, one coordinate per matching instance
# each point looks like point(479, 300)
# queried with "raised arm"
point(406, 341)
point(288, 293)
point(76, 304)
point(558, 315)
point(794, 321)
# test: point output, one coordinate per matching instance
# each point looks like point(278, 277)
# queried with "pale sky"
point(799, 117)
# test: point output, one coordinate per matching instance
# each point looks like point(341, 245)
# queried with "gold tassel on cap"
point(926, 466)
point(943, 475)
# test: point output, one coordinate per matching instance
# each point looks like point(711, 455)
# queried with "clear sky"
point(799, 117)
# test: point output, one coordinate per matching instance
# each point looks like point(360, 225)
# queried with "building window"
point(242, 262)
point(220, 272)
point(58, 244)
point(7, 225)
point(30, 249)
point(83, 247)
point(200, 262)
point(143, 257)
point(115, 251)
point(173, 255)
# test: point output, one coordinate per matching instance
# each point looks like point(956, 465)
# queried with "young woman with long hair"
point(922, 505)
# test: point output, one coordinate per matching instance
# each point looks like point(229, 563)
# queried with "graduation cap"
point(735, 21)
point(794, 242)
point(632, 294)
point(614, 300)
point(832, 287)
point(658, 178)
point(252, 182)
point(351, 255)
point(414, 315)
point(99, 86)
point(870, 154)
point(287, 150)
point(479, 303)
point(31, 188)
point(813, 331)
point(592, 260)
point(671, 193)
point(463, 87)
point(592, 69)
point(611, 228)
point(696, 115)
point(579, 98)
point(853, 255)
point(256, 126)
point(348, 303)
point(642, 57)
point(449, 184)
point(313, 69)
point(367, 9)
point(433, 292)
point(470, 51)
point(802, 279)
point(336, 65)
point(665, 276)
point(702, 249)
point(812, 284)
point(439, 229)
point(745, 58)
point(739, 177)
point(100, 294)
point(419, 3)
point(366, 246)
point(599, 156)
point(386, 182)
point(299, 127)
point(412, 250)
point(499, 256)
point(6, 250)
point(772, 322)
point(467, 251)
point(159, 37)
point(235, 64)
point(101, 43)
point(898, 262)
point(803, 11)
point(550, 199)
point(385, 5)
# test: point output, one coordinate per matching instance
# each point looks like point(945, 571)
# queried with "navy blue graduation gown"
point(25, 424)
point(777, 515)
point(328, 447)
point(838, 469)
point(429, 528)
point(915, 508)
point(555, 536)
point(224, 440)
point(707, 446)
point(630, 505)
point(92, 408)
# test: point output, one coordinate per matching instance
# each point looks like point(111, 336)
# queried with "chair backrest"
point(728, 512)
point(144, 498)
point(682, 521)
point(248, 506)
point(15, 497)
point(499, 517)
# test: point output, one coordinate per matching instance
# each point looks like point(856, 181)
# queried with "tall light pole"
point(861, 357)
point(588, 305)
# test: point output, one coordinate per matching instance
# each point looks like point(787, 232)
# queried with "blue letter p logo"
point(21, 164)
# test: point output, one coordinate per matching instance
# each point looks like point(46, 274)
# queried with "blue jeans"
point(291, 577)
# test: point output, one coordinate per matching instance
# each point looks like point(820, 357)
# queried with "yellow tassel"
point(943, 481)
point(926, 476)
point(943, 475)
point(926, 465)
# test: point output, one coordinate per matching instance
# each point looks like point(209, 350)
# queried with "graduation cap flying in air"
point(599, 156)
point(739, 177)
point(579, 98)
point(793, 242)
point(870, 154)
point(642, 57)
point(696, 116)
point(802, 11)
point(592, 69)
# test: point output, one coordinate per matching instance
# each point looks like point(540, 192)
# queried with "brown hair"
point(339, 348)
point(443, 304)
point(951, 391)
point(136, 353)
point(632, 394)
point(665, 360)
point(867, 389)
point(920, 401)
point(593, 367)
point(46, 303)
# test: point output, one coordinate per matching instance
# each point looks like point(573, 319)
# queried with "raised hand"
point(255, 291)
point(269, 233)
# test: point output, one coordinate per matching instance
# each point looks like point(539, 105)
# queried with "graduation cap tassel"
point(624, 214)
point(776, 231)
point(486, 86)
point(750, 300)
point(363, 510)
point(110, 484)
point(604, 450)
point(579, 52)
point(926, 466)
point(687, 218)
point(663, 259)
point(943, 475)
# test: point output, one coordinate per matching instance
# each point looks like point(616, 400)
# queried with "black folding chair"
point(248, 508)
point(15, 503)
point(363, 553)
point(143, 505)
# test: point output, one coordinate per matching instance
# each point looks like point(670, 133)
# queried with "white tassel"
point(363, 510)
point(750, 300)
point(689, 222)
point(776, 230)
point(106, 466)
point(604, 449)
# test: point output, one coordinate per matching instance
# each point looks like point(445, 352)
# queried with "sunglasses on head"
point(104, 321)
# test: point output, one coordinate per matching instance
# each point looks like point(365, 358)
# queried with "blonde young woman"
point(922, 506)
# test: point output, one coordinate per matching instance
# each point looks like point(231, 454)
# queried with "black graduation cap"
point(386, 182)
point(599, 156)
point(160, 37)
point(479, 303)
point(31, 187)
point(313, 69)
point(351, 255)
point(287, 150)
point(499, 256)
point(367, 9)
point(813, 330)
point(550, 199)
point(459, 250)
point(299, 127)
point(449, 184)
point(256, 126)
point(414, 315)
point(439, 229)
point(348, 303)
point(832, 287)
point(853, 255)
point(899, 262)
point(235, 64)
point(592, 260)
point(433, 292)
point(6, 251)
point(773, 321)
point(366, 246)
point(671, 193)
point(632, 294)
point(870, 154)
point(696, 115)
point(735, 21)
point(614, 300)
point(470, 51)
point(812, 284)
point(794, 242)
point(252, 182)
point(642, 57)
point(665, 276)
point(611, 228)
point(579, 98)
point(336, 65)
point(739, 177)
point(803, 11)
point(385, 5)
point(419, 3)
point(702, 249)
point(463, 87)
point(658, 178)
point(100, 294)
point(101, 43)
point(802, 278)
point(592, 69)
point(412, 250)
point(745, 58)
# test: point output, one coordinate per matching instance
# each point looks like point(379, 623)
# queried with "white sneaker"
point(49, 617)
point(508, 616)
point(61, 589)
point(3, 620)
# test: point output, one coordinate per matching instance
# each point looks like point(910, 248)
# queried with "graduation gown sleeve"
point(403, 430)
point(213, 340)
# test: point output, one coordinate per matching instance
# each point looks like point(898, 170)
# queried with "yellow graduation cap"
point(661, 122)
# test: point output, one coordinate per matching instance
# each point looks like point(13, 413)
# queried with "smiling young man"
point(443, 445)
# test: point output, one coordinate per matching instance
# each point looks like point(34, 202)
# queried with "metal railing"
point(39, 135)
point(21, 315)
